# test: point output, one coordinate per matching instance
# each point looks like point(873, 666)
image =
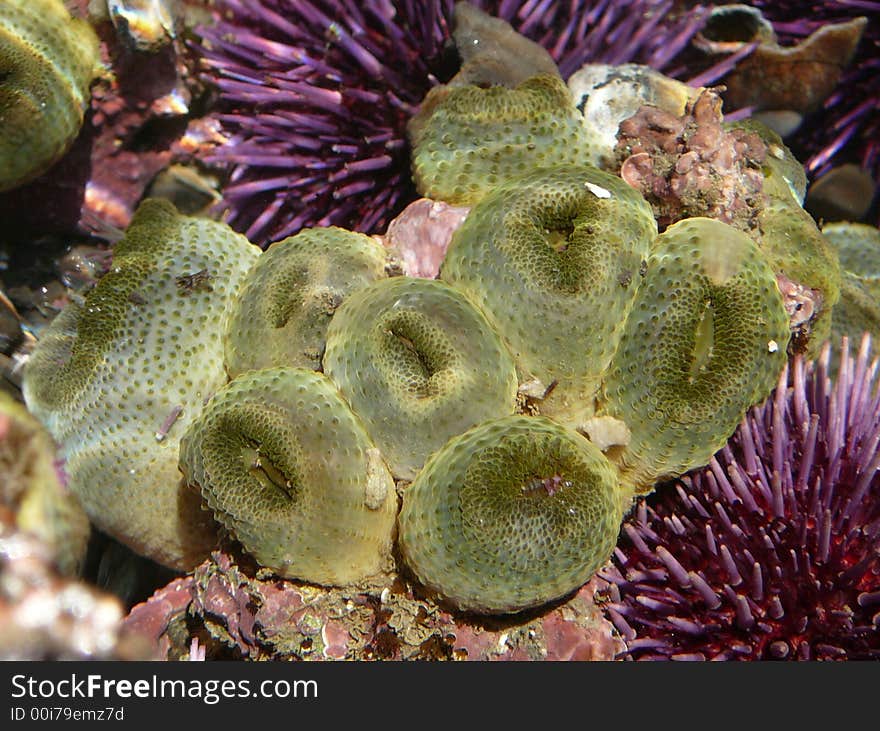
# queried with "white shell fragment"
point(609, 94)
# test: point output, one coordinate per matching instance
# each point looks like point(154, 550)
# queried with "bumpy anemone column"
point(289, 470)
point(467, 139)
point(804, 263)
point(289, 296)
point(554, 261)
point(510, 515)
point(705, 340)
point(47, 62)
point(858, 310)
point(117, 378)
point(419, 364)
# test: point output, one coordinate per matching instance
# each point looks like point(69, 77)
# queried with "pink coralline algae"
point(237, 612)
point(420, 235)
point(691, 166)
point(773, 550)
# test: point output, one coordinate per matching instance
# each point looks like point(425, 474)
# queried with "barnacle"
point(512, 514)
point(288, 468)
point(117, 378)
point(288, 298)
point(554, 259)
point(47, 62)
point(705, 340)
point(467, 140)
point(419, 364)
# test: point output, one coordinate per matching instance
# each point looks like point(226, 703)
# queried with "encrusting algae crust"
point(289, 469)
point(117, 379)
point(47, 63)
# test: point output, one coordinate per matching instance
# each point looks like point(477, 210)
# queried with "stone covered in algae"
point(289, 469)
point(419, 364)
point(512, 514)
point(32, 486)
point(607, 94)
point(705, 340)
point(47, 62)
point(554, 260)
point(291, 293)
point(467, 140)
point(117, 379)
point(858, 310)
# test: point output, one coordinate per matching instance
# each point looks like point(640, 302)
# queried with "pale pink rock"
point(420, 235)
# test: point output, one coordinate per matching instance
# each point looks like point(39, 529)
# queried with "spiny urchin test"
point(566, 308)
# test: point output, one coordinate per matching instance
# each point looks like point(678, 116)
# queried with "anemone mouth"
point(286, 300)
point(421, 352)
point(511, 514)
point(240, 456)
point(288, 469)
point(704, 341)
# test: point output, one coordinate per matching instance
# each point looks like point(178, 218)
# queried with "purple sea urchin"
point(314, 96)
point(773, 550)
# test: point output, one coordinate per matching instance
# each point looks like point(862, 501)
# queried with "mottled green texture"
point(705, 340)
point(467, 140)
point(796, 250)
point(289, 469)
point(419, 364)
point(785, 177)
point(553, 259)
point(107, 374)
point(512, 514)
point(31, 488)
point(289, 296)
point(858, 310)
point(47, 62)
point(857, 246)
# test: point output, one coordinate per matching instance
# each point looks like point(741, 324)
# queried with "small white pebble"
point(383, 597)
point(772, 346)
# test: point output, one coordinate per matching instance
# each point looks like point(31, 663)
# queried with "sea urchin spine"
point(773, 550)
